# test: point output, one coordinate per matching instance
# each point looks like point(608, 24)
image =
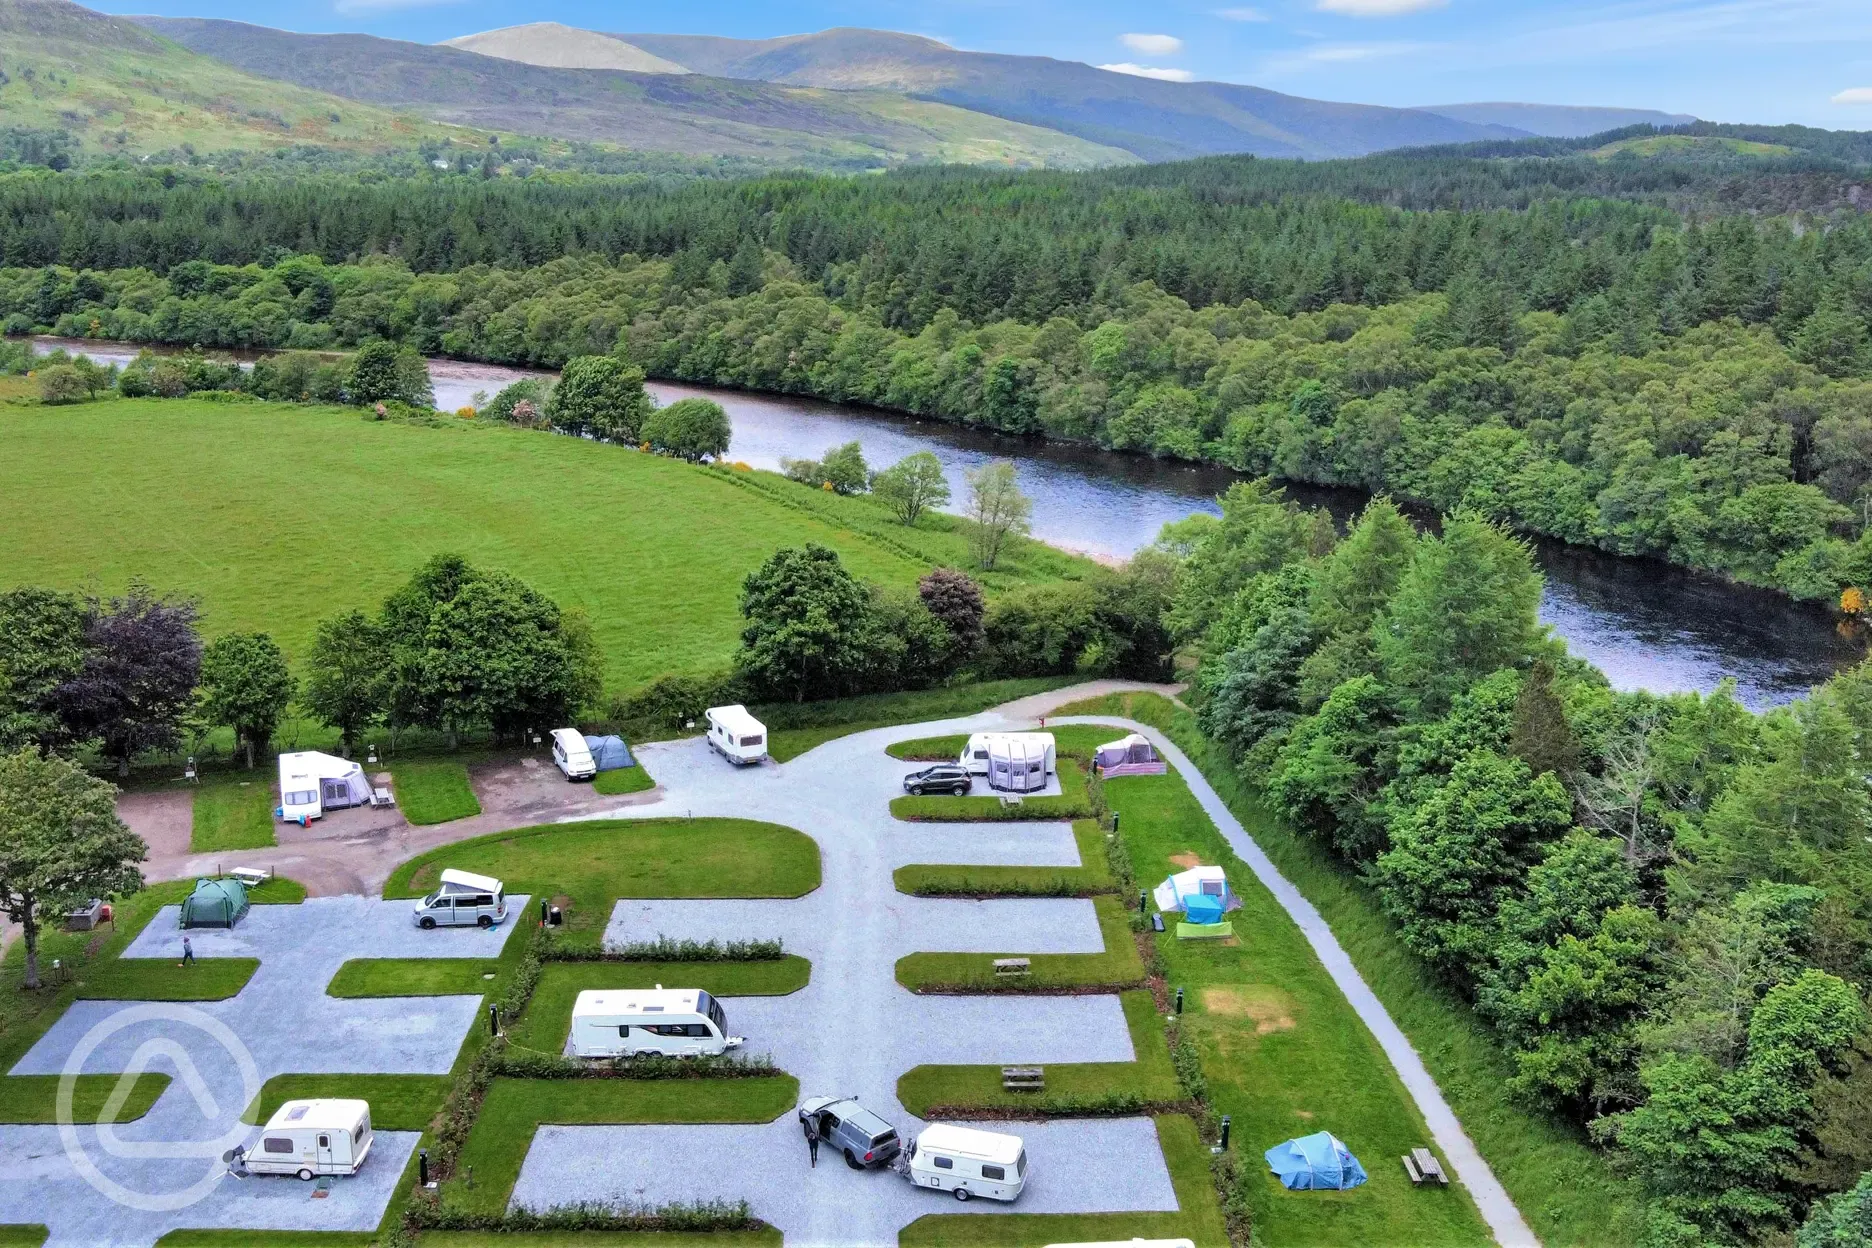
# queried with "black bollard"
point(422, 1167)
point(493, 1019)
point(1225, 1132)
point(542, 912)
point(1143, 901)
point(1114, 823)
point(1179, 1001)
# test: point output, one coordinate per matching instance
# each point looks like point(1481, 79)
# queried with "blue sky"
point(1807, 61)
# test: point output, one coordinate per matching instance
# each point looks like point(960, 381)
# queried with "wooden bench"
point(1023, 1078)
point(1428, 1165)
point(1410, 1168)
point(1013, 966)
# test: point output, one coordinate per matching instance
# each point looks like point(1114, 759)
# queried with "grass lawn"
point(514, 1108)
point(1282, 1050)
point(34, 1099)
point(232, 811)
point(1093, 875)
point(1119, 965)
point(33, 1236)
point(272, 1239)
point(397, 1102)
point(433, 790)
point(1198, 1218)
point(769, 1238)
point(621, 780)
point(1565, 1188)
point(1071, 803)
point(1070, 1087)
point(416, 977)
point(186, 494)
point(160, 979)
point(548, 1017)
point(794, 728)
point(593, 864)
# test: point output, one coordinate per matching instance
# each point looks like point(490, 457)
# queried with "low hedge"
point(517, 1063)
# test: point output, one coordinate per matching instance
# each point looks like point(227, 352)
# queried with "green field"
point(226, 501)
point(232, 812)
point(433, 791)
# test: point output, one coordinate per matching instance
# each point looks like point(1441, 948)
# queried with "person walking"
point(811, 1127)
point(188, 952)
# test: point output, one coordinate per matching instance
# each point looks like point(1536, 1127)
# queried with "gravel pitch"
point(285, 1023)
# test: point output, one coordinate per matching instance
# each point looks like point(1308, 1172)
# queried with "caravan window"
point(324, 1141)
point(304, 797)
point(1020, 1163)
point(993, 1172)
point(753, 740)
point(982, 753)
point(357, 1135)
point(943, 1163)
point(708, 1005)
point(623, 1031)
point(277, 1144)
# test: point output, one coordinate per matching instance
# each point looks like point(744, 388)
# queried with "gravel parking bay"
point(853, 1030)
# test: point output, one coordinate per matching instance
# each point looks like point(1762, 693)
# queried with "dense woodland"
point(1663, 906)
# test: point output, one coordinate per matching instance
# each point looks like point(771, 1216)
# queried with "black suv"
point(942, 778)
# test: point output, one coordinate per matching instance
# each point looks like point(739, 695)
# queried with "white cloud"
point(1150, 71)
point(1854, 95)
point(384, 6)
point(1377, 8)
point(1242, 15)
point(1152, 45)
point(1302, 60)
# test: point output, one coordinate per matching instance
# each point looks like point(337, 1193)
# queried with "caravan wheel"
point(962, 1193)
point(305, 1174)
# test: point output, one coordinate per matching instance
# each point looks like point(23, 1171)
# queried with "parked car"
point(465, 899)
point(942, 778)
point(865, 1139)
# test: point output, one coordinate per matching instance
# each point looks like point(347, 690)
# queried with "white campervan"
point(571, 755)
point(649, 1022)
point(312, 783)
point(310, 1138)
point(969, 1162)
point(736, 735)
point(1013, 762)
point(464, 900)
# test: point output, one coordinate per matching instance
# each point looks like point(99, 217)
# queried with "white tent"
point(1202, 882)
point(312, 783)
point(1129, 756)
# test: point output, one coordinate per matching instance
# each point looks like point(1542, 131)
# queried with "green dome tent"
point(215, 903)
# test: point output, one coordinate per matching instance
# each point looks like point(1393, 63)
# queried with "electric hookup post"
point(1179, 1001)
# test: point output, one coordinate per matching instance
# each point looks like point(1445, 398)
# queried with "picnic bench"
point(1422, 1166)
point(1013, 966)
point(252, 877)
point(381, 797)
point(1023, 1078)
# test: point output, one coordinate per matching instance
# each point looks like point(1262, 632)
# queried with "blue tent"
point(1202, 909)
point(1314, 1163)
point(609, 753)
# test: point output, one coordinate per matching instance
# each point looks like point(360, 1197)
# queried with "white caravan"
point(649, 1022)
point(969, 1162)
point(736, 735)
point(1013, 762)
point(312, 783)
point(310, 1138)
point(464, 899)
point(571, 755)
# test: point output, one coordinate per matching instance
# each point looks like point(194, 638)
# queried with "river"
point(1646, 624)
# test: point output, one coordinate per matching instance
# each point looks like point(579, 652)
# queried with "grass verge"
point(1078, 1087)
point(33, 1099)
point(269, 1239)
point(159, 979)
point(415, 977)
point(1198, 1216)
point(231, 813)
point(794, 728)
point(1118, 966)
point(768, 1237)
point(514, 1109)
point(18, 1236)
point(397, 1102)
point(622, 780)
point(434, 791)
point(548, 1017)
point(592, 864)
point(1093, 875)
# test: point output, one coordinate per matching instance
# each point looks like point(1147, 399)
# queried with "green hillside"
point(1692, 146)
point(279, 515)
point(115, 87)
point(689, 113)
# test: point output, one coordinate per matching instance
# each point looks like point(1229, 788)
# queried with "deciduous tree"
point(246, 686)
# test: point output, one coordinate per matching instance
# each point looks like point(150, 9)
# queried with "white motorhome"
point(1013, 762)
point(312, 783)
point(736, 735)
point(310, 1138)
point(571, 755)
point(649, 1022)
point(968, 1162)
point(464, 899)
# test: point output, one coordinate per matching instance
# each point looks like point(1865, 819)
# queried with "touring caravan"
point(571, 755)
point(639, 1022)
point(969, 1162)
point(310, 1138)
point(736, 735)
point(464, 899)
point(312, 783)
point(1013, 762)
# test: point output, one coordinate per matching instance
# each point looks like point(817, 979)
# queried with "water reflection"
point(1645, 624)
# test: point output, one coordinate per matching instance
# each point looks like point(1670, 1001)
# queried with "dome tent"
point(215, 903)
point(1317, 1162)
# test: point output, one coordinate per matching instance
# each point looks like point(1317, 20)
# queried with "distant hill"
point(1156, 120)
point(687, 113)
point(1557, 121)
point(563, 47)
point(115, 87)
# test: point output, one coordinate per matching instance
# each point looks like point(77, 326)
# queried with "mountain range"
point(838, 98)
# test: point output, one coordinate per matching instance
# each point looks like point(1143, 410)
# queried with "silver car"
point(865, 1139)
